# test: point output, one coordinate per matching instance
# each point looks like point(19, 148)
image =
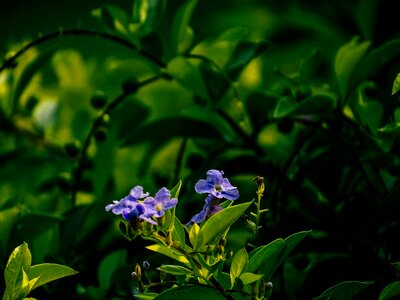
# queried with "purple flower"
point(217, 185)
point(217, 188)
point(210, 208)
point(130, 207)
point(161, 202)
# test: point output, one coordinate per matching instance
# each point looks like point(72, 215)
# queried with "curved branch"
point(10, 62)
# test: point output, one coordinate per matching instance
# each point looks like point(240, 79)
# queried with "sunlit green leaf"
point(195, 236)
point(191, 292)
point(48, 272)
point(239, 262)
point(178, 232)
point(170, 252)
point(146, 296)
point(391, 290)
point(344, 291)
point(175, 270)
point(18, 263)
point(396, 84)
point(248, 278)
point(216, 226)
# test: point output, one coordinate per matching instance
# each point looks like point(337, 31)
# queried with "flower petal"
point(202, 186)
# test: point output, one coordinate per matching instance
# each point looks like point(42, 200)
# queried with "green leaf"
point(344, 291)
point(172, 127)
point(176, 190)
point(396, 84)
point(25, 286)
point(148, 13)
point(48, 272)
point(180, 41)
point(178, 232)
point(243, 54)
point(146, 296)
point(376, 60)
point(391, 290)
point(346, 61)
point(248, 278)
point(175, 270)
point(266, 259)
point(27, 74)
point(239, 262)
point(108, 266)
point(186, 73)
point(8, 218)
point(216, 226)
point(191, 292)
point(314, 105)
point(19, 262)
point(195, 236)
point(170, 252)
point(42, 221)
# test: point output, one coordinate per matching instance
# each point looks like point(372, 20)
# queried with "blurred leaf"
point(375, 60)
point(148, 13)
point(344, 291)
point(188, 75)
point(170, 252)
point(191, 292)
point(111, 263)
point(234, 34)
point(396, 84)
point(179, 31)
point(243, 54)
point(48, 272)
point(175, 270)
point(28, 72)
point(391, 290)
point(266, 259)
point(216, 226)
point(43, 221)
point(260, 107)
point(347, 59)
point(314, 105)
point(128, 115)
point(239, 262)
point(115, 18)
point(309, 66)
point(172, 127)
point(8, 219)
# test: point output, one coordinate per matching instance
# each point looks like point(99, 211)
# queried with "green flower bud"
point(98, 100)
point(72, 148)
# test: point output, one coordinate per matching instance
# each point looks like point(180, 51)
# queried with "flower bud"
point(146, 265)
point(260, 183)
point(138, 271)
point(98, 100)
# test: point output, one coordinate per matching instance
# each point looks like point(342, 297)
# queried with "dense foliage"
point(156, 93)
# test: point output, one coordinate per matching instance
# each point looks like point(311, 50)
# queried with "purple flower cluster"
point(217, 188)
point(131, 207)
